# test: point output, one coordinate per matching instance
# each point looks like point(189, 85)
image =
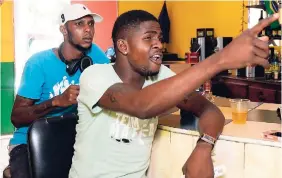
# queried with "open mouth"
point(87, 40)
point(157, 59)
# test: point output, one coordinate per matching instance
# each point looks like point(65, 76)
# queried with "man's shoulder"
point(40, 56)
point(165, 71)
point(99, 74)
point(163, 67)
point(46, 52)
point(96, 69)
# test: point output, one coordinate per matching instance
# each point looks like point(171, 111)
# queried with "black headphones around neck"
point(72, 66)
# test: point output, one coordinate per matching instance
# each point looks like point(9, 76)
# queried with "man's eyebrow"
point(154, 32)
point(84, 20)
point(92, 20)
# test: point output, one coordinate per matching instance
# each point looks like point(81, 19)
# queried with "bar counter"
point(241, 149)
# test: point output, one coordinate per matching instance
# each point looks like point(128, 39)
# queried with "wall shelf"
point(256, 7)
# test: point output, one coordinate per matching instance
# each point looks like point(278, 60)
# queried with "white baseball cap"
point(76, 11)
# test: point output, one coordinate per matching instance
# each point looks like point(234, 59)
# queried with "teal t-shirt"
point(44, 76)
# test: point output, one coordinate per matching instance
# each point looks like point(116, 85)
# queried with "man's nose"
point(87, 28)
point(158, 44)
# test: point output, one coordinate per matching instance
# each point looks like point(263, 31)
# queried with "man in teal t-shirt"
point(50, 88)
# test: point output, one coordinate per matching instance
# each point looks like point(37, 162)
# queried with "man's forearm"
point(211, 121)
point(25, 115)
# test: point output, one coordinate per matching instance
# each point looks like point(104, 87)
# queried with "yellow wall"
point(186, 17)
point(7, 32)
point(0, 33)
point(153, 7)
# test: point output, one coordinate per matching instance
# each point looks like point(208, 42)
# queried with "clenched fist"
point(248, 49)
point(67, 98)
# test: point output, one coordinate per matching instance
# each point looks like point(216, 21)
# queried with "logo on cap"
point(63, 18)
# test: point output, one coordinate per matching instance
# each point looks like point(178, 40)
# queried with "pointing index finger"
point(264, 23)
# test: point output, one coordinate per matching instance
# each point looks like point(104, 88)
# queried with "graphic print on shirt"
point(126, 129)
point(60, 87)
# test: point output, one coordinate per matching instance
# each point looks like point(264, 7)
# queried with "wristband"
point(208, 139)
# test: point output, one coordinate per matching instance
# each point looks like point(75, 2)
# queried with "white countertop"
point(251, 132)
point(269, 106)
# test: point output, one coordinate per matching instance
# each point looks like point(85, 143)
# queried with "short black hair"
point(129, 19)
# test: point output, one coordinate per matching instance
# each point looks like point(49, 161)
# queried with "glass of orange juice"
point(239, 110)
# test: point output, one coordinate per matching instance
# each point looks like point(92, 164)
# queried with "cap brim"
point(97, 18)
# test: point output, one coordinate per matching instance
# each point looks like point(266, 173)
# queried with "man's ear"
point(63, 30)
point(122, 46)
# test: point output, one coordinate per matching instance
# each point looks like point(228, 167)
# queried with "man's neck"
point(127, 74)
point(70, 52)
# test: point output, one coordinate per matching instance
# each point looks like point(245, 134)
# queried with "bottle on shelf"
point(279, 33)
point(262, 33)
point(250, 71)
point(275, 33)
point(279, 65)
point(268, 32)
point(207, 92)
point(275, 66)
point(279, 72)
point(268, 71)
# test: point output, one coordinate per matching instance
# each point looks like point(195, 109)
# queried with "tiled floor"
point(4, 157)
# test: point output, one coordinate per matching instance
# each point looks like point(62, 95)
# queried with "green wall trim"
point(7, 100)
point(7, 96)
point(7, 75)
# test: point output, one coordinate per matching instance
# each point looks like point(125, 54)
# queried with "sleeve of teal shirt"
point(32, 79)
point(97, 55)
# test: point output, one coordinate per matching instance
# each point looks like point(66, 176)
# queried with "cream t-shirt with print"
point(110, 144)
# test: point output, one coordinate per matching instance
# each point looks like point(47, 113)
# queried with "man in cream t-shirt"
point(110, 144)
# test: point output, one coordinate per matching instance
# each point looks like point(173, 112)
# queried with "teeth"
point(156, 56)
